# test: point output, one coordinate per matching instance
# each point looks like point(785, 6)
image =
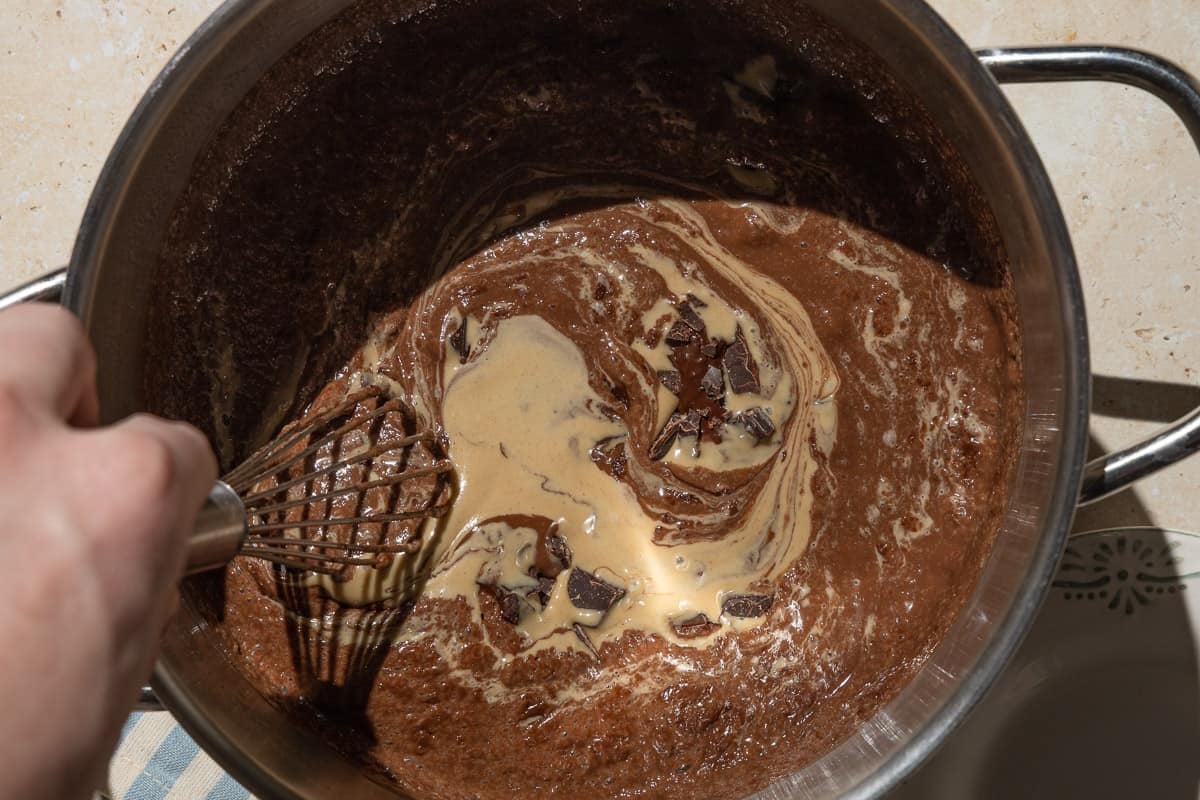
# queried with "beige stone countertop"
point(1126, 174)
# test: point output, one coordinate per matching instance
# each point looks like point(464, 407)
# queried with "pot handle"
point(1178, 89)
point(148, 700)
point(48, 287)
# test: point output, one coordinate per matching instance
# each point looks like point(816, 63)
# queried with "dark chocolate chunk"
point(678, 425)
point(666, 437)
point(690, 318)
point(713, 383)
point(558, 549)
point(507, 601)
point(458, 341)
point(756, 421)
point(746, 605)
point(671, 379)
point(740, 367)
point(694, 627)
point(544, 589)
point(689, 424)
point(587, 640)
point(589, 592)
point(680, 334)
point(711, 349)
point(552, 555)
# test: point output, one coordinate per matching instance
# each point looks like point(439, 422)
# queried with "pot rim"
point(206, 44)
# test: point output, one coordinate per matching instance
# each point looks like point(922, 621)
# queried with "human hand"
point(93, 530)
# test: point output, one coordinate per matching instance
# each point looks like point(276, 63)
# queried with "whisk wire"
point(367, 455)
point(312, 499)
point(290, 437)
point(289, 545)
point(434, 511)
point(266, 461)
point(276, 463)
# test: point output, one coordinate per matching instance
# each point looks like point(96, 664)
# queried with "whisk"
point(287, 503)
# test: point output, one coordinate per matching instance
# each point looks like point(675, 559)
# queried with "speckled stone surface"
point(1126, 174)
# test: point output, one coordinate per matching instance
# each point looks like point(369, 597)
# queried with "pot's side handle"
point(1181, 92)
point(48, 287)
point(148, 700)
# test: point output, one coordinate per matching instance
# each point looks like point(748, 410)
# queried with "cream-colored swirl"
point(527, 410)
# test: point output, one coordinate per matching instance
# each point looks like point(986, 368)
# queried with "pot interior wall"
point(339, 184)
point(360, 167)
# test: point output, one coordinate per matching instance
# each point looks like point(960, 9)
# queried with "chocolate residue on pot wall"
point(417, 185)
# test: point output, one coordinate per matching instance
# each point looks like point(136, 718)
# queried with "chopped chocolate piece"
point(713, 383)
point(510, 607)
point(591, 593)
point(666, 437)
point(507, 601)
point(746, 605)
point(671, 379)
point(587, 640)
point(458, 341)
point(694, 627)
point(689, 424)
point(544, 589)
point(740, 367)
point(680, 334)
point(691, 318)
point(557, 547)
point(552, 555)
point(756, 421)
point(711, 349)
point(679, 424)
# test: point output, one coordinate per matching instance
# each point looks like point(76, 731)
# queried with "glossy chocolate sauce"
point(720, 348)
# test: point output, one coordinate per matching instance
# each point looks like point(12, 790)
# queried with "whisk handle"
point(219, 530)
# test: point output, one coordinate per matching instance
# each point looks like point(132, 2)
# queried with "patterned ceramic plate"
point(1103, 698)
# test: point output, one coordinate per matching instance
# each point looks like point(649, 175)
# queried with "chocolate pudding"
point(718, 342)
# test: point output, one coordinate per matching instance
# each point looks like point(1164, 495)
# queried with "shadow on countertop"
point(1103, 698)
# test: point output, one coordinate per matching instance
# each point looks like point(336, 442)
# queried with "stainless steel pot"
point(108, 286)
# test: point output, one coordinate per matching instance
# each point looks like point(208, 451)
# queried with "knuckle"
point(149, 463)
point(198, 448)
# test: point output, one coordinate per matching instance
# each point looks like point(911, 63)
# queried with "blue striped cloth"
point(156, 760)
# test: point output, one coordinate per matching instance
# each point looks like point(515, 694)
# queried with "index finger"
point(49, 360)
